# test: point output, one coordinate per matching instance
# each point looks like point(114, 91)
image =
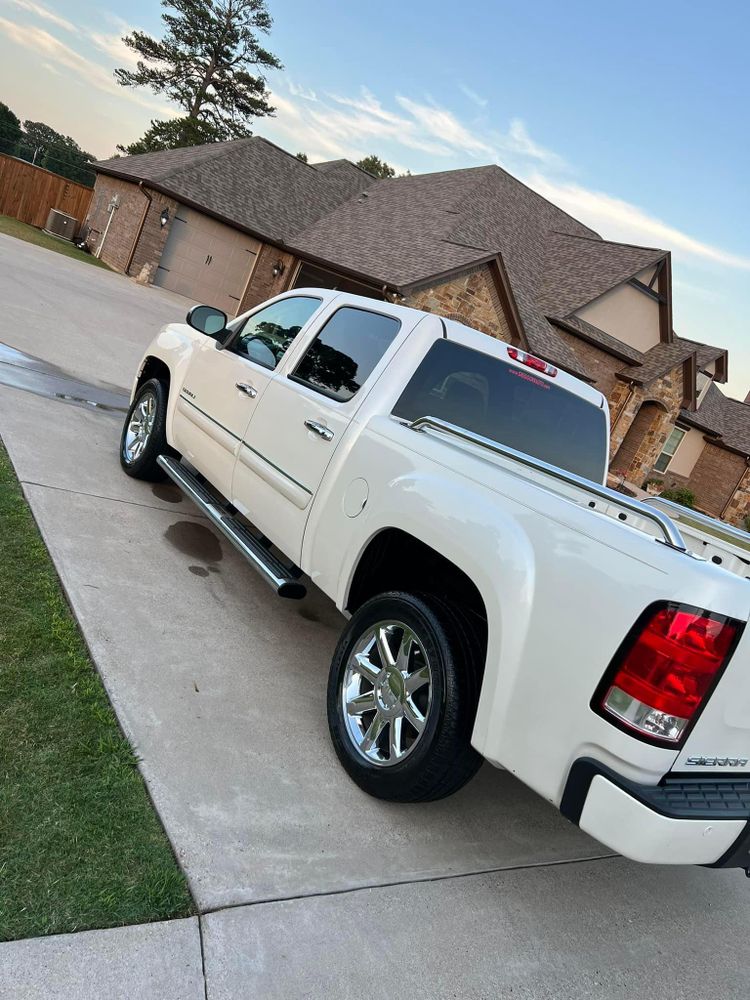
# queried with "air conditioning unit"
point(60, 224)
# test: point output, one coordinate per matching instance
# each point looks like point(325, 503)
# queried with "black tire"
point(144, 466)
point(442, 759)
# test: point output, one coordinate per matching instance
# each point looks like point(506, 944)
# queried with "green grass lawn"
point(12, 227)
point(80, 843)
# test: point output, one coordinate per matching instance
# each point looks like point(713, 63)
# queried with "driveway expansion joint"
point(99, 496)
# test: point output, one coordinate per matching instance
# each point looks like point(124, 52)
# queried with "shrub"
point(746, 522)
point(679, 494)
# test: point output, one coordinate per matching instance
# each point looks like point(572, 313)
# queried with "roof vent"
point(60, 224)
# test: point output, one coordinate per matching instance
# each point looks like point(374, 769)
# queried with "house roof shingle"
point(580, 268)
point(722, 416)
point(248, 182)
point(408, 231)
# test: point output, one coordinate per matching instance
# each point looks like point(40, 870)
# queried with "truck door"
point(300, 420)
point(222, 388)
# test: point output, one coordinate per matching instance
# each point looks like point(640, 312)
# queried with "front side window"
point(266, 336)
point(510, 405)
point(345, 352)
point(670, 447)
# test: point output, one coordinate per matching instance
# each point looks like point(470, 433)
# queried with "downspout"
point(149, 200)
point(725, 508)
point(112, 210)
point(624, 406)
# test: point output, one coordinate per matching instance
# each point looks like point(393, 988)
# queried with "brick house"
point(235, 223)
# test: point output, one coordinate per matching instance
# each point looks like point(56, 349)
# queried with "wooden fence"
point(27, 193)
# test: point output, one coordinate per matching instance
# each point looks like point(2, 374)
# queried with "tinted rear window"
point(510, 405)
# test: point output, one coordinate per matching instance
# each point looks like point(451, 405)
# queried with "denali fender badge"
point(716, 762)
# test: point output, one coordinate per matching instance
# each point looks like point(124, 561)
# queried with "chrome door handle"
point(325, 432)
point(248, 389)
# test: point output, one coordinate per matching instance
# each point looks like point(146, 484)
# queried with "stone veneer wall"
point(624, 405)
point(739, 506)
point(471, 298)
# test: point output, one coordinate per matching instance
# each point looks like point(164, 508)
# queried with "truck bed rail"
point(669, 530)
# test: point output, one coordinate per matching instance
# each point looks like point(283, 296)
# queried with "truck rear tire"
point(144, 434)
point(402, 697)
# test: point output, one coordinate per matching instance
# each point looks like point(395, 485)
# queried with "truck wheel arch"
point(396, 560)
point(153, 368)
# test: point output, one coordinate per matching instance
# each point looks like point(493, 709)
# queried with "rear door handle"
point(248, 389)
point(320, 429)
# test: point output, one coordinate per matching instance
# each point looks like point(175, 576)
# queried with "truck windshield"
point(511, 405)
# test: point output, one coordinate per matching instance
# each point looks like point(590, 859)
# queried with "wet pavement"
point(19, 370)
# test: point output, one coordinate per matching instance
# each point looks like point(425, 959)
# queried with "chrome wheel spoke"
point(417, 679)
point(386, 656)
point(362, 703)
point(413, 716)
point(374, 730)
point(366, 667)
point(394, 740)
point(405, 650)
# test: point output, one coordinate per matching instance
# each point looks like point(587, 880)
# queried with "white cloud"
point(617, 219)
point(47, 15)
point(296, 91)
point(58, 53)
point(113, 46)
point(473, 96)
point(519, 141)
point(444, 126)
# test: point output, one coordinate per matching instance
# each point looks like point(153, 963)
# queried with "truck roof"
point(458, 332)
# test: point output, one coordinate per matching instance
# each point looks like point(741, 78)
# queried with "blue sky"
point(633, 118)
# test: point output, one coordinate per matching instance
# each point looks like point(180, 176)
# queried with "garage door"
point(206, 260)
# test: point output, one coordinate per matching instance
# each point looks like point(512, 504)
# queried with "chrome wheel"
point(139, 428)
point(386, 693)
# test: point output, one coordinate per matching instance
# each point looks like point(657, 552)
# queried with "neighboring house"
point(235, 223)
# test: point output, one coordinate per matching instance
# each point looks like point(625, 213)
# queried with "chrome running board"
point(277, 574)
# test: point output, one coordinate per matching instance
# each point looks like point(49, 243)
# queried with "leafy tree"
point(44, 146)
point(10, 130)
point(172, 134)
point(302, 156)
point(203, 64)
point(377, 167)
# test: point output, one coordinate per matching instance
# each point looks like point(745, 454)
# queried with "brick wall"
point(126, 223)
point(597, 364)
point(264, 284)
point(471, 298)
point(714, 478)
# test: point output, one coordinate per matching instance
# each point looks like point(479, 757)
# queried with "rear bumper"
point(681, 821)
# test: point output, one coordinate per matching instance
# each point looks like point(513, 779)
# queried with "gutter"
point(139, 232)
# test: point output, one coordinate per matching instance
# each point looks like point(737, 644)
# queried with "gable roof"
point(249, 183)
point(408, 231)
point(579, 268)
point(727, 419)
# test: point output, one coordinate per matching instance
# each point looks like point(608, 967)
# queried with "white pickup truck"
point(445, 490)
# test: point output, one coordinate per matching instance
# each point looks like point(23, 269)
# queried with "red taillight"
point(664, 673)
point(531, 362)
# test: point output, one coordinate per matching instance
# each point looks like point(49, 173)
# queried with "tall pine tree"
point(210, 63)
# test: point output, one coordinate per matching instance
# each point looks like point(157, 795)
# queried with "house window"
point(670, 447)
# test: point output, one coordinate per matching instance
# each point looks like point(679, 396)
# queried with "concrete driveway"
point(306, 886)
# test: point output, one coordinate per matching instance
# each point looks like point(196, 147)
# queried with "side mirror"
point(207, 319)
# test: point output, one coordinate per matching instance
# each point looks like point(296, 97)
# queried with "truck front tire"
point(402, 696)
point(144, 434)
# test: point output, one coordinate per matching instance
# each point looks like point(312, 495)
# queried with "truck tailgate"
point(720, 740)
